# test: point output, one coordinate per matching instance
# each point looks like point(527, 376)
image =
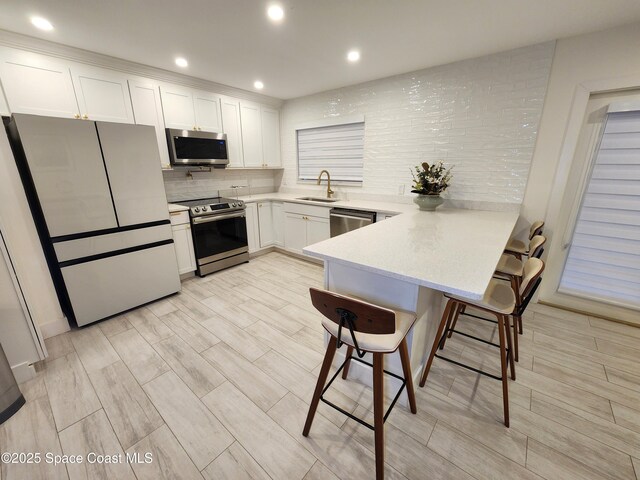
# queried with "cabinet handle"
point(85, 116)
point(77, 115)
point(174, 213)
point(195, 127)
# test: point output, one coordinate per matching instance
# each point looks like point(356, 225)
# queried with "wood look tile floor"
point(215, 382)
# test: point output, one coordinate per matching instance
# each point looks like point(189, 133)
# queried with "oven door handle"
point(215, 218)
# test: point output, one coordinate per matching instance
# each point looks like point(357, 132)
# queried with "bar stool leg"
point(503, 366)
point(406, 370)
point(345, 370)
point(436, 341)
point(507, 330)
point(520, 324)
point(452, 324)
point(378, 412)
point(322, 378)
point(515, 337)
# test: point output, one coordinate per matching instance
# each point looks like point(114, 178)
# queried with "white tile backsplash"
point(480, 115)
point(218, 182)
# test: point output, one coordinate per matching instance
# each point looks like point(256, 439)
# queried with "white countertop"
point(450, 250)
point(174, 207)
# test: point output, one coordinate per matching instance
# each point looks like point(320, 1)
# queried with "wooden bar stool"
point(518, 247)
point(364, 328)
point(499, 300)
point(511, 268)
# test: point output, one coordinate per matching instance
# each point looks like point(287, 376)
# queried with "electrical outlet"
point(400, 189)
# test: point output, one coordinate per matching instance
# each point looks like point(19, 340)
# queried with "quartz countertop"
point(451, 250)
point(175, 207)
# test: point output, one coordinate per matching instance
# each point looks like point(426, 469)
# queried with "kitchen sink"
point(319, 199)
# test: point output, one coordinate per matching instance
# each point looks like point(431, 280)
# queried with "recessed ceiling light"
point(275, 12)
point(41, 23)
point(182, 62)
point(258, 85)
point(353, 56)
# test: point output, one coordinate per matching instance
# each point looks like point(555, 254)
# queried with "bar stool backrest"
point(536, 229)
point(535, 246)
point(533, 269)
point(364, 317)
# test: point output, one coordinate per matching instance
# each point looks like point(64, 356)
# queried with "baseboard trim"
point(589, 314)
point(23, 372)
point(51, 329)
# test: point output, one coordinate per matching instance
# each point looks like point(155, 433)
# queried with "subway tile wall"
point(218, 182)
point(480, 115)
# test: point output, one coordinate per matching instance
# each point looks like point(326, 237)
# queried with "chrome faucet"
point(329, 191)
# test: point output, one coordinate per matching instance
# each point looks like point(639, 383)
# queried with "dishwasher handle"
point(353, 214)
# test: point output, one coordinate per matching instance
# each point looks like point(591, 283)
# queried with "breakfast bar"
point(408, 262)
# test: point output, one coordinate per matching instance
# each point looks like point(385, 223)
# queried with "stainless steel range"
point(219, 228)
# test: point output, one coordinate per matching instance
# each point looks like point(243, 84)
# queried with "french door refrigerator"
point(97, 196)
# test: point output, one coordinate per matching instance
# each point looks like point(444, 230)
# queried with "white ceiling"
point(232, 41)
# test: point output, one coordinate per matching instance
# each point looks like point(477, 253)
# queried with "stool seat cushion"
point(498, 297)
point(510, 265)
point(375, 343)
point(517, 246)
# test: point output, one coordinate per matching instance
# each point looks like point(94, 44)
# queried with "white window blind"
point(336, 148)
point(604, 256)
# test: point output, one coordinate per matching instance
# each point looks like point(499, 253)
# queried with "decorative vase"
point(428, 202)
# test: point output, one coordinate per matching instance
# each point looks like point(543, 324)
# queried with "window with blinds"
point(604, 257)
point(336, 148)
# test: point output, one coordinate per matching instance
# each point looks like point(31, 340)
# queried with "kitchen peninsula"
point(408, 261)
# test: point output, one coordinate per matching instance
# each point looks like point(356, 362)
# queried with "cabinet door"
point(231, 126)
point(207, 109)
point(317, 230)
point(183, 244)
point(251, 134)
point(295, 232)
point(37, 85)
point(265, 221)
point(253, 233)
point(147, 110)
point(277, 214)
point(102, 94)
point(270, 118)
point(177, 106)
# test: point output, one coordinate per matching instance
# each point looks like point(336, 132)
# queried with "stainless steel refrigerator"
point(96, 193)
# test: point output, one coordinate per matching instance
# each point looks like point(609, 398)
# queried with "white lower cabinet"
point(277, 214)
point(265, 223)
point(183, 242)
point(253, 228)
point(295, 232)
point(304, 225)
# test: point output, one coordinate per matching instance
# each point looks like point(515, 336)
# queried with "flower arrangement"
point(431, 179)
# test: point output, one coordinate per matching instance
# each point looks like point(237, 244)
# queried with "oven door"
point(219, 236)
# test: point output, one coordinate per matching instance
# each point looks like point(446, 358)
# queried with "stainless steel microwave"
point(195, 148)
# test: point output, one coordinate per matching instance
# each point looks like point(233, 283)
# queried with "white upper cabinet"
point(37, 84)
point(251, 134)
point(191, 109)
point(270, 136)
point(207, 109)
point(231, 124)
point(177, 105)
point(147, 110)
point(102, 95)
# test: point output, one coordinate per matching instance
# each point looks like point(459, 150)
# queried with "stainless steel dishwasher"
point(343, 220)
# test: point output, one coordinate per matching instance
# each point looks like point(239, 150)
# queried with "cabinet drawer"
point(178, 218)
point(310, 210)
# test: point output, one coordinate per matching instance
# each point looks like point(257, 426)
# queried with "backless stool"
point(364, 328)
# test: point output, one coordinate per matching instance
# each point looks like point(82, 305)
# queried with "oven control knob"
point(234, 205)
point(204, 209)
point(197, 209)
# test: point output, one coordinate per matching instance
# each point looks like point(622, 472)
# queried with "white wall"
point(601, 61)
point(480, 115)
